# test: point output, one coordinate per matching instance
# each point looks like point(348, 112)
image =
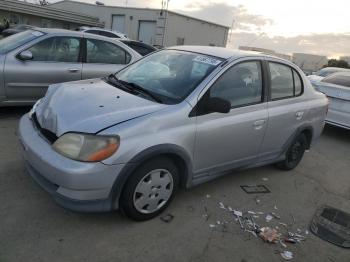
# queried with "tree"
point(337, 63)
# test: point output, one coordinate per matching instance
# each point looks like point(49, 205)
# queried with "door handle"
point(73, 70)
point(299, 115)
point(259, 123)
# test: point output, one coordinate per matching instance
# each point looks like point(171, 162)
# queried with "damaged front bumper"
point(78, 186)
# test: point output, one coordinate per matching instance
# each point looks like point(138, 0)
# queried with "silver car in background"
point(32, 60)
point(337, 88)
point(176, 118)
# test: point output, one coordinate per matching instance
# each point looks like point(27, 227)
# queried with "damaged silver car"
point(176, 118)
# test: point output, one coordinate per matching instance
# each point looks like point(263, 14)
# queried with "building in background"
point(19, 12)
point(152, 26)
point(265, 51)
point(309, 63)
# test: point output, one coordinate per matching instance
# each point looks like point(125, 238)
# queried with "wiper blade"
point(117, 83)
point(142, 90)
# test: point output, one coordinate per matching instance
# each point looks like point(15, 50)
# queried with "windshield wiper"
point(132, 87)
point(140, 89)
point(117, 83)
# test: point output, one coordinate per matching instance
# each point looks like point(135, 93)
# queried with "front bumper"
point(75, 185)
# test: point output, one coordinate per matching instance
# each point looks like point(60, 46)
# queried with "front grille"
point(50, 136)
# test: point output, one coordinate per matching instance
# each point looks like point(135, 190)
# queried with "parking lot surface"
point(34, 228)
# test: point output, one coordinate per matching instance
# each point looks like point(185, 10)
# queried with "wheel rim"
point(295, 152)
point(153, 191)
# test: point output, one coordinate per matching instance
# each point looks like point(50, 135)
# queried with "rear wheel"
point(150, 189)
point(294, 153)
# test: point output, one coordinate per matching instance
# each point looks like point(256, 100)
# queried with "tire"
point(150, 189)
point(294, 153)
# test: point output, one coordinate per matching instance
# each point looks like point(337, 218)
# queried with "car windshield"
point(170, 74)
point(12, 42)
point(342, 79)
point(327, 71)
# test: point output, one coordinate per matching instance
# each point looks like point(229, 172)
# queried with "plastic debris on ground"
point(278, 232)
point(287, 255)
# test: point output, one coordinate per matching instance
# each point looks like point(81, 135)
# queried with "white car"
point(103, 32)
point(324, 72)
point(337, 88)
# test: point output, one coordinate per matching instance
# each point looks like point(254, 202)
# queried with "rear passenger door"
point(286, 108)
point(55, 59)
point(103, 58)
point(229, 140)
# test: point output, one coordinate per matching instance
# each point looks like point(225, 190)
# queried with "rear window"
point(141, 49)
point(338, 79)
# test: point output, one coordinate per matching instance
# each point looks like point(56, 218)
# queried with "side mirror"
point(25, 55)
point(217, 104)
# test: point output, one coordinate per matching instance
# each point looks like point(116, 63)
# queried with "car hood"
point(89, 106)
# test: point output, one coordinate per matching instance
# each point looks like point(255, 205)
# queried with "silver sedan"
point(337, 88)
point(32, 60)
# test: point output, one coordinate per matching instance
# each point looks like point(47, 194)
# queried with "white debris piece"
point(251, 212)
point(275, 207)
point(268, 218)
point(282, 244)
point(237, 213)
point(306, 232)
point(208, 196)
point(211, 225)
point(287, 255)
point(222, 206)
point(265, 179)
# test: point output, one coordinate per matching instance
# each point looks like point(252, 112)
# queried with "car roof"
point(58, 31)
point(216, 51)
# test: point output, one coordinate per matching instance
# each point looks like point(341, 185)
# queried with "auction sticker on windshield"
point(207, 60)
point(37, 33)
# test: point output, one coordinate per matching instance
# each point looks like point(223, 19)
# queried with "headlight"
point(85, 147)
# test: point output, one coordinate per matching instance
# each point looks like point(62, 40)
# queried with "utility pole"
point(165, 21)
point(233, 22)
point(126, 3)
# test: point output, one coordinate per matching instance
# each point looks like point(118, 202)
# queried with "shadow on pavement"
point(338, 133)
point(13, 112)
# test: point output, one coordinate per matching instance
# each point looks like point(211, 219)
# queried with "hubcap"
point(153, 191)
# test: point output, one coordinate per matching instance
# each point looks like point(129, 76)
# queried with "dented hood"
point(89, 106)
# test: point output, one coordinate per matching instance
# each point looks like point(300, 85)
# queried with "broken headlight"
point(86, 147)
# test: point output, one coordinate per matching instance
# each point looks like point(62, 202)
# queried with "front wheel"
point(294, 153)
point(150, 189)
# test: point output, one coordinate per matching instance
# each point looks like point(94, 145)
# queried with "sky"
point(309, 26)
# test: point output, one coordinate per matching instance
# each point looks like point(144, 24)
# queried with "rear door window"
point(102, 52)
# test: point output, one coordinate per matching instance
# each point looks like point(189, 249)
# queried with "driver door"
point(225, 141)
point(55, 60)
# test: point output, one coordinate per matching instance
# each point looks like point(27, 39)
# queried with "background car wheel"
point(294, 154)
point(150, 189)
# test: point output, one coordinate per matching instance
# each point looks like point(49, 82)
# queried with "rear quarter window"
point(285, 82)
